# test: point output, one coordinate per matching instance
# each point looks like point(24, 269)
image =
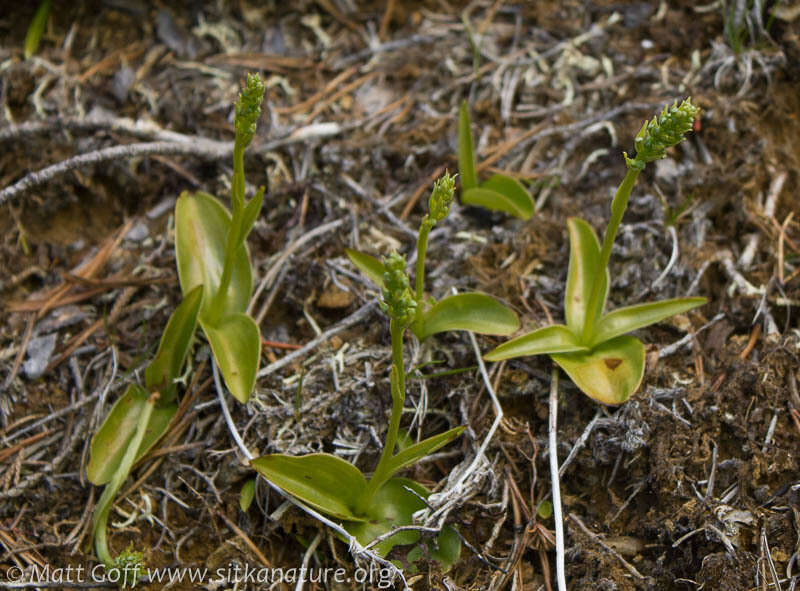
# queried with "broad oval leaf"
point(111, 441)
point(236, 344)
point(448, 547)
point(466, 154)
point(446, 552)
point(372, 267)
point(417, 451)
point(489, 199)
point(556, 338)
point(517, 195)
point(201, 231)
point(584, 263)
point(392, 506)
point(474, 311)
point(610, 373)
point(174, 346)
point(624, 320)
point(326, 482)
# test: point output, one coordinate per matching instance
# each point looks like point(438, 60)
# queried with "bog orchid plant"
point(216, 280)
point(593, 348)
point(500, 192)
point(372, 507)
point(211, 251)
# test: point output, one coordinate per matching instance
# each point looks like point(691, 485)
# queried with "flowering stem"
point(381, 474)
point(422, 247)
point(248, 110)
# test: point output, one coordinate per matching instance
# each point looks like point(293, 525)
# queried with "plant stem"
point(422, 248)
point(381, 474)
point(237, 183)
point(103, 507)
point(233, 238)
point(618, 207)
point(557, 515)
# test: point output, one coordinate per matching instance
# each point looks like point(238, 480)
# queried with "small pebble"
point(40, 349)
point(138, 232)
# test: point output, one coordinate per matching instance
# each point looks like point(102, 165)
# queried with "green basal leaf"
point(624, 320)
point(466, 154)
point(417, 451)
point(110, 442)
point(372, 267)
point(584, 262)
point(448, 547)
point(392, 506)
point(610, 373)
point(446, 552)
point(36, 28)
point(236, 344)
point(493, 200)
point(474, 311)
point(519, 199)
point(326, 482)
point(174, 346)
point(247, 495)
point(201, 229)
point(556, 338)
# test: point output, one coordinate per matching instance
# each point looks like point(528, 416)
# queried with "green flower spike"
point(398, 301)
point(248, 110)
point(662, 132)
point(441, 199)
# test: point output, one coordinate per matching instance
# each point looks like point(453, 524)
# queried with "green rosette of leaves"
point(211, 251)
point(594, 348)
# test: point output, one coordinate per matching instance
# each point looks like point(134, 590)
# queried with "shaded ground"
point(691, 484)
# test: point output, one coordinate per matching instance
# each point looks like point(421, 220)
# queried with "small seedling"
point(500, 192)
point(139, 419)
point(593, 348)
point(211, 250)
point(247, 495)
point(36, 28)
point(372, 507)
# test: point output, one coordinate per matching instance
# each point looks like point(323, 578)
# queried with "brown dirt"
point(723, 410)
